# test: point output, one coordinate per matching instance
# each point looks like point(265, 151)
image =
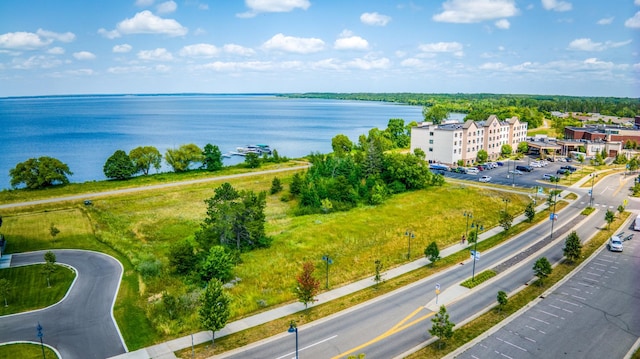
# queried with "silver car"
point(615, 244)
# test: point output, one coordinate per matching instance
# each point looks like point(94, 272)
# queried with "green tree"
point(530, 212)
point(442, 327)
point(506, 150)
point(572, 247)
point(211, 158)
point(144, 158)
point(523, 147)
point(182, 256)
point(217, 264)
point(40, 173)
point(609, 217)
point(307, 285)
point(378, 269)
point(620, 209)
point(633, 164)
point(482, 156)
point(398, 133)
point(252, 160)
point(506, 220)
point(214, 309)
point(418, 152)
point(432, 252)
point(119, 166)
point(341, 145)
point(5, 289)
point(542, 268)
point(181, 158)
point(502, 300)
point(49, 266)
point(297, 184)
point(53, 231)
point(435, 114)
point(276, 185)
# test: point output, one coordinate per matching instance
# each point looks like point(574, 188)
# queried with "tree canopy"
point(181, 158)
point(214, 310)
point(212, 158)
point(119, 166)
point(144, 158)
point(42, 172)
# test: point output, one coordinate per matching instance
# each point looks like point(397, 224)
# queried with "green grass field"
point(29, 288)
point(25, 351)
point(138, 226)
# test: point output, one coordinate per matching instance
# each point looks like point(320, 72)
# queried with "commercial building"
point(453, 142)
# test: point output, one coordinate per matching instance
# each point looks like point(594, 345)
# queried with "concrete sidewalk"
point(166, 350)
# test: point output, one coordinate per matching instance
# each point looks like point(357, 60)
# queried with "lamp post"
point(40, 335)
point(553, 213)
point(468, 215)
point(293, 328)
point(409, 235)
point(479, 228)
point(505, 200)
point(593, 176)
point(328, 261)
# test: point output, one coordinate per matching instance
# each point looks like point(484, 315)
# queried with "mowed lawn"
point(142, 226)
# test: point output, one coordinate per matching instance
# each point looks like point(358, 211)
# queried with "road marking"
point(575, 296)
point(596, 274)
point(539, 320)
point(393, 330)
point(551, 314)
point(570, 303)
point(307, 347)
point(513, 345)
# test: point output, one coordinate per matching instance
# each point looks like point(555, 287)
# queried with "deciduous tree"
point(502, 300)
point(434, 114)
point(506, 220)
point(182, 256)
point(144, 158)
point(5, 289)
point(306, 284)
point(180, 159)
point(530, 212)
point(542, 268)
point(40, 173)
point(212, 158)
point(341, 145)
point(217, 264)
point(609, 217)
point(214, 309)
point(49, 266)
point(252, 160)
point(432, 252)
point(442, 327)
point(572, 247)
point(119, 166)
point(53, 231)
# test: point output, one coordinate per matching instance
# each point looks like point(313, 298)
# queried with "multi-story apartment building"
point(452, 142)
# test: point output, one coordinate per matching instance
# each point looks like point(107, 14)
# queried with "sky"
point(549, 47)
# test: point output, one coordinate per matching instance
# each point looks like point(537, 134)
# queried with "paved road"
point(81, 326)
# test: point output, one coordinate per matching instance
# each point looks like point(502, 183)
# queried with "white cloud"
point(145, 22)
point(159, 54)
point(65, 37)
point(199, 50)
point(22, 41)
point(238, 66)
point(56, 51)
point(470, 11)
point(366, 64)
point(492, 66)
point(455, 48)
point(84, 55)
point(262, 6)
point(167, 7)
point(586, 44)
point(293, 44)
point(556, 5)
point(348, 41)
point(633, 22)
point(144, 3)
point(605, 21)
point(124, 48)
point(374, 19)
point(637, 2)
point(238, 50)
point(503, 24)
point(40, 61)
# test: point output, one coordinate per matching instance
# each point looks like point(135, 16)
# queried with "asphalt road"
point(81, 326)
point(392, 324)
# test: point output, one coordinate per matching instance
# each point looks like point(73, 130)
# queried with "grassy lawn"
point(29, 289)
point(25, 351)
point(494, 316)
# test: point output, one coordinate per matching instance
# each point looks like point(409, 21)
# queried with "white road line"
point(539, 320)
point(529, 339)
point(307, 347)
point(506, 356)
point(600, 264)
point(551, 314)
point(575, 296)
point(596, 274)
point(513, 345)
point(570, 303)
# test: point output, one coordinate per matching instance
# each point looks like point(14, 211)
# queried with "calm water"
point(84, 131)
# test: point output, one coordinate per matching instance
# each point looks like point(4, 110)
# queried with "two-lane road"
point(81, 325)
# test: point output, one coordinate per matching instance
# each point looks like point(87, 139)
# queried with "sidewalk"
point(165, 350)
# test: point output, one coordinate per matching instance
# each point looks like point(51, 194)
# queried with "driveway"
point(82, 324)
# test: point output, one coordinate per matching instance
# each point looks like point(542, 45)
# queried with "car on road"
point(485, 179)
point(615, 244)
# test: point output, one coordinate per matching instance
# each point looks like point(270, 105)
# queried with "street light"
point(293, 328)
point(593, 176)
point(40, 335)
point(552, 217)
point(467, 215)
point(479, 228)
point(505, 200)
point(409, 235)
point(328, 260)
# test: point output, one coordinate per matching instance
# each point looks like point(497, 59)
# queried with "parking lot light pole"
point(505, 200)
point(555, 199)
point(40, 335)
point(409, 235)
point(593, 176)
point(293, 328)
point(479, 228)
point(328, 261)
point(467, 215)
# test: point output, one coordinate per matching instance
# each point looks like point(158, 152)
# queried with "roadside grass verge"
point(29, 289)
point(479, 279)
point(494, 316)
point(278, 326)
point(25, 351)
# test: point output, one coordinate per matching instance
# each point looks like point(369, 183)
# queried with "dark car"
point(524, 168)
point(569, 168)
point(562, 171)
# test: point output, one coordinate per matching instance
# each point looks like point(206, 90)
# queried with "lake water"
point(83, 131)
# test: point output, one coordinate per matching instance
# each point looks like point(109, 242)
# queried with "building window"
point(431, 142)
point(430, 149)
point(430, 133)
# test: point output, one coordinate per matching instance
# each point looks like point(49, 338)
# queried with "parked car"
point(614, 244)
point(535, 164)
point(515, 172)
point(458, 170)
point(524, 168)
point(472, 171)
point(562, 171)
point(500, 163)
point(485, 179)
point(549, 176)
point(569, 168)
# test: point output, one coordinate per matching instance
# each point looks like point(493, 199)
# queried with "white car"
point(485, 179)
point(515, 172)
point(615, 244)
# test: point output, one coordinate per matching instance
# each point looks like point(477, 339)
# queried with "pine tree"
point(542, 268)
point(572, 247)
point(502, 299)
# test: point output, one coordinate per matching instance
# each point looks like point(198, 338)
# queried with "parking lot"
point(501, 175)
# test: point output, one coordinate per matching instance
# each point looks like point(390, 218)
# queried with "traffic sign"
point(475, 255)
point(438, 286)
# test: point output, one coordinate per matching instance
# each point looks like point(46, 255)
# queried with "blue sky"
point(565, 47)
